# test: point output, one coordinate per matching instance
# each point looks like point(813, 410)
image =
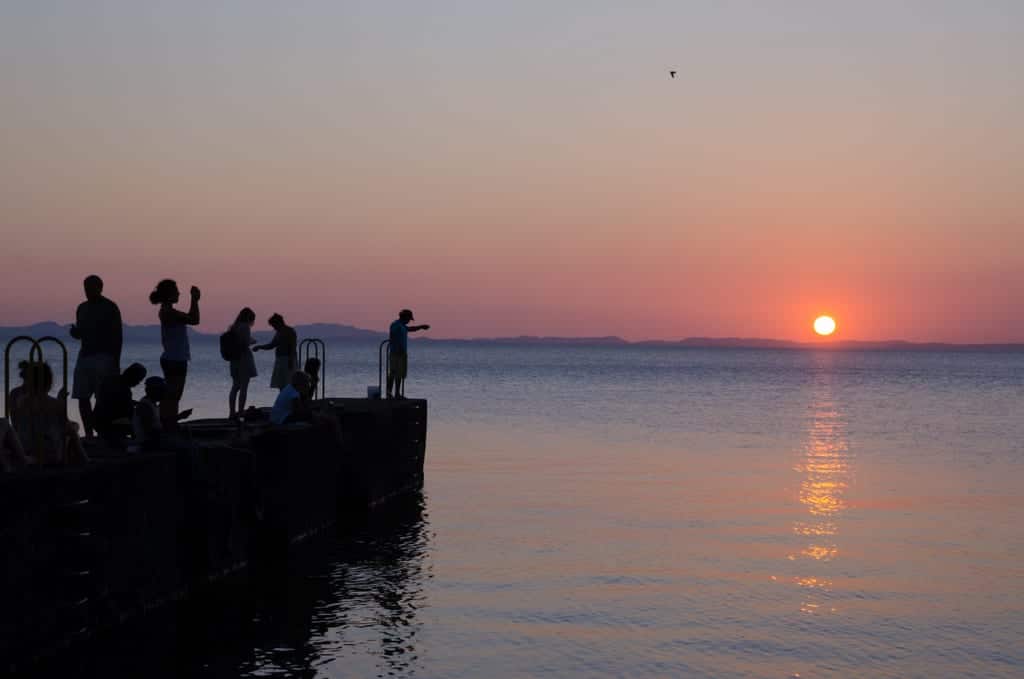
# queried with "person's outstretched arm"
point(272, 344)
point(416, 328)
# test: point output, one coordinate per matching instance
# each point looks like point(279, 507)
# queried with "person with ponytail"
point(174, 336)
point(243, 365)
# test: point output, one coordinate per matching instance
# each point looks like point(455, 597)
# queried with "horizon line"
point(737, 341)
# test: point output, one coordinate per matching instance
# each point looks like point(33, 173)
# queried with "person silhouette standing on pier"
point(243, 365)
point(286, 356)
point(398, 356)
point(174, 336)
point(98, 326)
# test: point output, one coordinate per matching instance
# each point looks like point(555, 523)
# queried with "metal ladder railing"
point(35, 355)
point(383, 366)
point(315, 348)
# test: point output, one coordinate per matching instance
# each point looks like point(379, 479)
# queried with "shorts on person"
point(90, 371)
point(284, 366)
point(175, 372)
point(398, 364)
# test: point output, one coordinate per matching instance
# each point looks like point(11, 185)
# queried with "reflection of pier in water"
point(345, 604)
point(826, 474)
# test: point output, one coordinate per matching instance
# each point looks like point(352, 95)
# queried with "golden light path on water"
point(826, 475)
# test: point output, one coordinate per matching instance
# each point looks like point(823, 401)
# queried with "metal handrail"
point(316, 348)
point(64, 364)
point(383, 366)
point(7, 368)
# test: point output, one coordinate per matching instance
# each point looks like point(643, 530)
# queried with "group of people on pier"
point(39, 431)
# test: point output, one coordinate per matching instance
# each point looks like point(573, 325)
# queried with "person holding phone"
point(174, 337)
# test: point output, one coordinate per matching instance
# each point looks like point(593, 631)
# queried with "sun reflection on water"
point(824, 466)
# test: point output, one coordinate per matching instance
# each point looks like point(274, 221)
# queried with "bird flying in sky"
point(672, 73)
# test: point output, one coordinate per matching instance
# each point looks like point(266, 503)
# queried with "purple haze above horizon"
point(522, 168)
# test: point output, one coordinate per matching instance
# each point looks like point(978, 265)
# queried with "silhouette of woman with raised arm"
point(174, 336)
point(243, 366)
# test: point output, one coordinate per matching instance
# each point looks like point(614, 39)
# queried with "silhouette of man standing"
point(98, 326)
point(398, 357)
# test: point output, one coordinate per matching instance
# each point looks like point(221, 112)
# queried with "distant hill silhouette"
point(147, 333)
point(48, 328)
point(610, 340)
point(339, 331)
point(342, 332)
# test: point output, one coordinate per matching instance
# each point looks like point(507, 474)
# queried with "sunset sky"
point(522, 167)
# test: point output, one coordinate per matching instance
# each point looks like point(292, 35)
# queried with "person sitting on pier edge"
point(243, 365)
point(12, 455)
point(42, 423)
point(285, 346)
point(15, 396)
point(291, 404)
point(98, 326)
point(114, 404)
point(398, 356)
point(146, 429)
point(312, 368)
point(174, 336)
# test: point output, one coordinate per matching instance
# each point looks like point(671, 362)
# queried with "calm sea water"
point(613, 512)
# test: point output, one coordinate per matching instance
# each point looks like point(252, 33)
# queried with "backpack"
point(230, 347)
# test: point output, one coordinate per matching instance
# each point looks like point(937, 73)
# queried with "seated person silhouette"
point(147, 426)
point(292, 404)
point(42, 424)
point(112, 416)
point(312, 368)
point(12, 455)
point(18, 391)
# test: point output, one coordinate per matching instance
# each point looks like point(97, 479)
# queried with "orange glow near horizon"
point(824, 325)
point(519, 200)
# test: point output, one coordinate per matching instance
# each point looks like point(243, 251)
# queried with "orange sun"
point(824, 325)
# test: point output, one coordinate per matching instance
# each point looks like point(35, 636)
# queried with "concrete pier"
point(88, 548)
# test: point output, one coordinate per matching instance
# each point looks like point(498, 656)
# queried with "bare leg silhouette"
point(85, 410)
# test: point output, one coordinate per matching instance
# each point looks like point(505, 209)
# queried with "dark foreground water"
point(612, 512)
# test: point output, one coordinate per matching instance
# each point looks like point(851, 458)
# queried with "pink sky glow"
point(507, 169)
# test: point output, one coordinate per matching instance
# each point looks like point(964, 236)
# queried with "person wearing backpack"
point(236, 348)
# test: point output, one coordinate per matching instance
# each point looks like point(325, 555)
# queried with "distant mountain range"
point(531, 339)
point(340, 332)
point(144, 333)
